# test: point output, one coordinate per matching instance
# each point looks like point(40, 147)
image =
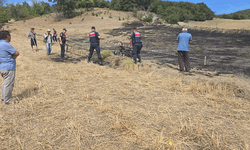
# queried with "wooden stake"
point(205, 61)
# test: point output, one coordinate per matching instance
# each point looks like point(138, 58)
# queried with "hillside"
point(70, 104)
point(239, 15)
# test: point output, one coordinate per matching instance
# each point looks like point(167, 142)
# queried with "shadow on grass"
point(26, 94)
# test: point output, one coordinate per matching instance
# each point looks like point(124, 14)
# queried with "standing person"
point(183, 40)
point(137, 45)
point(8, 57)
point(2, 29)
point(62, 40)
point(54, 35)
point(32, 35)
point(94, 39)
point(49, 41)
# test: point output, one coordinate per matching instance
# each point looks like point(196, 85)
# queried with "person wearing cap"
point(94, 39)
point(32, 36)
point(62, 40)
point(183, 40)
point(8, 57)
point(54, 35)
point(137, 45)
point(49, 41)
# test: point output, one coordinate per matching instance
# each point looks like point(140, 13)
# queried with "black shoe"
point(88, 60)
point(100, 63)
point(139, 60)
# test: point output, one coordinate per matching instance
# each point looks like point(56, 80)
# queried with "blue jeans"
point(48, 48)
point(97, 48)
point(62, 50)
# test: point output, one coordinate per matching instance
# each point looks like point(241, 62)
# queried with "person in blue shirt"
point(94, 39)
point(62, 40)
point(183, 40)
point(8, 57)
point(137, 45)
point(32, 35)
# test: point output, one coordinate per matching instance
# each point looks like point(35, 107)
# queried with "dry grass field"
point(70, 104)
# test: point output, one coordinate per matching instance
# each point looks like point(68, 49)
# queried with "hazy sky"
point(218, 6)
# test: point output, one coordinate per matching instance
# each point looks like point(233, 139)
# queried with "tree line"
point(171, 12)
point(239, 15)
point(23, 10)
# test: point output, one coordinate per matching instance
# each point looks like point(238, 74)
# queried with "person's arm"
point(177, 39)
point(15, 55)
point(190, 39)
point(130, 42)
point(131, 39)
point(60, 39)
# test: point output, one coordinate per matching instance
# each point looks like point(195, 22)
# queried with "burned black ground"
point(227, 53)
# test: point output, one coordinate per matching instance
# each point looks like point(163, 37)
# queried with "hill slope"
point(69, 104)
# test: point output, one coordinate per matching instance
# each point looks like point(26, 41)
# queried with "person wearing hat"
point(49, 41)
point(32, 36)
point(137, 45)
point(62, 40)
point(94, 39)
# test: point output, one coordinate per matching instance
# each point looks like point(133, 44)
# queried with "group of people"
point(8, 54)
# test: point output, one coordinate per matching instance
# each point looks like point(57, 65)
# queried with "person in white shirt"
point(49, 41)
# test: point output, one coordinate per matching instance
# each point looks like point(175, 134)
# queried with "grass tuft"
point(105, 54)
point(129, 62)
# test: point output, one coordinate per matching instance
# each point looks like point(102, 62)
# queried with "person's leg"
point(98, 51)
point(31, 43)
point(135, 53)
point(47, 48)
point(91, 50)
point(8, 84)
point(35, 43)
point(50, 48)
point(62, 50)
point(139, 52)
point(180, 59)
point(186, 61)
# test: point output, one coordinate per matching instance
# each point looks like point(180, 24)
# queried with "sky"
point(218, 6)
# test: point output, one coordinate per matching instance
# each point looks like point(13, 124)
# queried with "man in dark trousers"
point(62, 39)
point(54, 35)
point(183, 40)
point(94, 39)
point(137, 45)
point(32, 35)
point(8, 57)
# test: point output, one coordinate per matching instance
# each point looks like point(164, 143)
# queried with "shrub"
point(197, 48)
point(139, 16)
point(93, 14)
point(149, 18)
point(110, 15)
point(128, 17)
point(82, 19)
point(129, 62)
point(117, 61)
point(70, 23)
point(135, 11)
point(105, 54)
point(120, 18)
point(102, 17)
